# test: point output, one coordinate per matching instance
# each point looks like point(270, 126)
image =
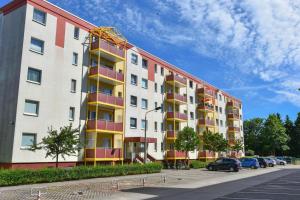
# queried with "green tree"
point(289, 127)
point(273, 137)
point(252, 131)
point(214, 142)
point(187, 140)
point(295, 138)
point(64, 142)
point(238, 146)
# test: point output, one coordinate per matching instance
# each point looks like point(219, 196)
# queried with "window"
point(144, 104)
point(31, 107)
point(28, 140)
point(72, 114)
point(155, 106)
point(76, 33)
point(155, 87)
point(221, 122)
point(133, 79)
point(191, 84)
point(144, 83)
point(162, 71)
point(133, 100)
point(220, 97)
point(92, 115)
point(216, 108)
point(162, 89)
point(144, 124)
point(73, 86)
point(217, 122)
point(191, 99)
point(134, 59)
point(37, 45)
point(155, 146)
point(192, 115)
point(162, 127)
point(155, 126)
point(39, 16)
point(220, 110)
point(161, 146)
point(155, 68)
point(145, 64)
point(133, 122)
point(34, 75)
point(75, 58)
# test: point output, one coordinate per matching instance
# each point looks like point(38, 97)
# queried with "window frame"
point(136, 79)
point(40, 76)
point(136, 61)
point(37, 108)
point(136, 101)
point(73, 113)
point(146, 101)
point(73, 81)
point(135, 119)
point(78, 35)
point(37, 21)
point(146, 82)
point(33, 143)
point(145, 61)
point(35, 51)
point(75, 54)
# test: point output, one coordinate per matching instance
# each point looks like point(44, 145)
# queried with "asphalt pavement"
point(279, 185)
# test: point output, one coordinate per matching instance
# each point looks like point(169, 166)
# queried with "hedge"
point(48, 175)
point(196, 164)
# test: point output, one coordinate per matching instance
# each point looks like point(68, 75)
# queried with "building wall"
point(11, 40)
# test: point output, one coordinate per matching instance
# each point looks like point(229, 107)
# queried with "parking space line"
point(277, 193)
point(241, 198)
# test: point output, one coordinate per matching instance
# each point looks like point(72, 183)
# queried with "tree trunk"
point(56, 164)
point(186, 160)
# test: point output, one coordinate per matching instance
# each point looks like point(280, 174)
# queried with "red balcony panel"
point(171, 134)
point(206, 107)
point(104, 98)
point(178, 115)
point(171, 96)
point(207, 154)
point(233, 116)
point(233, 104)
point(90, 153)
point(179, 79)
point(207, 122)
point(236, 129)
point(106, 71)
point(108, 47)
point(105, 125)
point(174, 153)
point(104, 153)
point(205, 91)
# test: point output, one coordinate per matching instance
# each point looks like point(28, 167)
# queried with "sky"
point(248, 48)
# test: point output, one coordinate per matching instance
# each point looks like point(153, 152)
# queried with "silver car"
point(280, 162)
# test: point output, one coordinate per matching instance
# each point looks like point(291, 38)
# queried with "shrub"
point(196, 164)
point(26, 176)
point(249, 153)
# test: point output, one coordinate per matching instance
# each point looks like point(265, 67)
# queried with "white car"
point(280, 162)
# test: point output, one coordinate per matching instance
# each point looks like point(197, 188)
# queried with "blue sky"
point(249, 48)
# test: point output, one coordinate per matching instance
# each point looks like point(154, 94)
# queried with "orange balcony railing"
point(179, 79)
point(204, 91)
point(104, 153)
point(177, 115)
point(171, 134)
point(104, 98)
point(178, 97)
point(104, 125)
point(206, 122)
point(233, 104)
point(108, 47)
point(233, 116)
point(206, 106)
point(206, 154)
point(175, 154)
point(107, 72)
point(233, 129)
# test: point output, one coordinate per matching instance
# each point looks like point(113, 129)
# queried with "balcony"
point(205, 154)
point(177, 80)
point(233, 129)
point(205, 92)
point(105, 100)
point(171, 135)
point(206, 107)
point(104, 126)
point(106, 75)
point(177, 98)
point(233, 104)
point(233, 116)
point(176, 116)
point(104, 154)
point(206, 122)
point(173, 155)
point(108, 48)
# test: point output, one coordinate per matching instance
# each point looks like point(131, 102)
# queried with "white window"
point(76, 33)
point(220, 110)
point(144, 124)
point(155, 87)
point(191, 99)
point(191, 84)
point(192, 115)
point(31, 107)
point(75, 58)
point(145, 63)
point(144, 104)
point(133, 100)
point(220, 97)
point(134, 59)
point(133, 122)
point(162, 89)
point(144, 83)
point(34, 75)
point(71, 113)
point(73, 86)
point(39, 16)
point(162, 71)
point(37, 45)
point(28, 140)
point(133, 79)
point(221, 123)
point(155, 126)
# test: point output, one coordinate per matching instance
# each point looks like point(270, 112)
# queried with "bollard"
point(39, 195)
point(164, 178)
point(144, 181)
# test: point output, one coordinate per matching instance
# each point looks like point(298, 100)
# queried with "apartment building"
point(58, 69)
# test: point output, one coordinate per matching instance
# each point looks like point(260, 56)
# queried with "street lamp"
point(145, 138)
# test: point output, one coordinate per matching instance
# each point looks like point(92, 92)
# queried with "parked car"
point(249, 163)
point(271, 162)
point(280, 161)
point(287, 159)
point(230, 164)
point(262, 162)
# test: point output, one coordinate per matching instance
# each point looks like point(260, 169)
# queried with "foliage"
point(238, 146)
point(196, 164)
point(187, 140)
point(249, 153)
point(66, 142)
point(214, 142)
point(294, 133)
point(26, 176)
point(252, 131)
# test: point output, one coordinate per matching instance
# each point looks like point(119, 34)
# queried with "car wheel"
point(252, 167)
point(231, 169)
point(262, 166)
point(210, 168)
